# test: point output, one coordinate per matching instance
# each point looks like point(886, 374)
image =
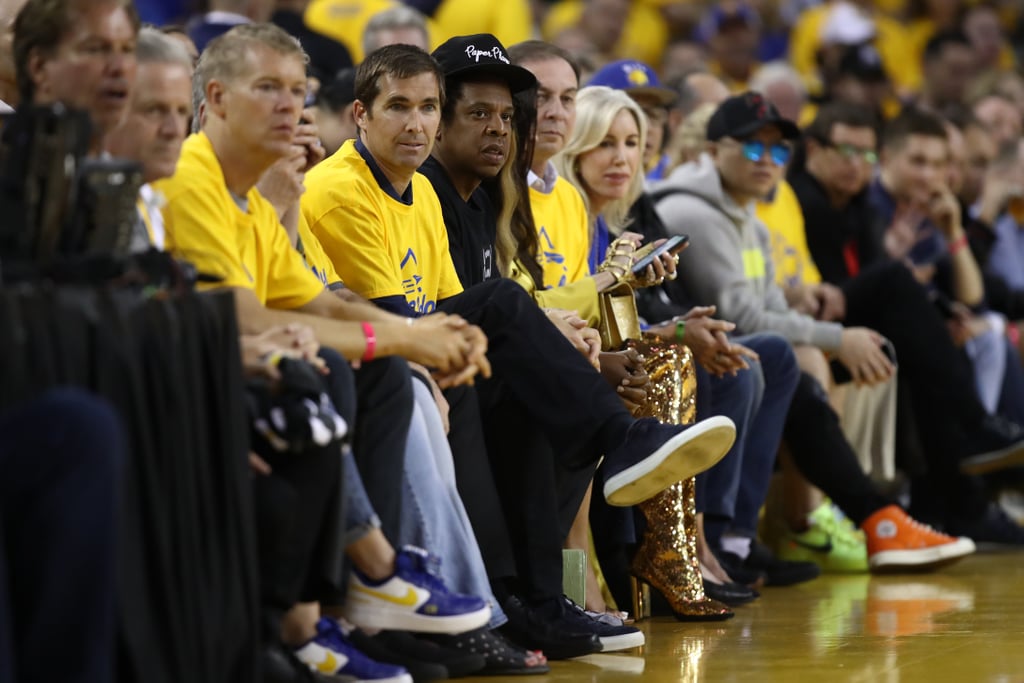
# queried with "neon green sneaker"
point(831, 541)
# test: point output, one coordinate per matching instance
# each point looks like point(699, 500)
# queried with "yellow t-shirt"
point(380, 246)
point(790, 255)
point(345, 21)
point(644, 37)
point(891, 41)
point(563, 233)
point(511, 21)
point(314, 257)
point(247, 248)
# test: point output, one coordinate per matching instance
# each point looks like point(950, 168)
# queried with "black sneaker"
point(998, 444)
point(992, 528)
point(654, 456)
point(547, 630)
point(613, 638)
point(732, 594)
point(424, 660)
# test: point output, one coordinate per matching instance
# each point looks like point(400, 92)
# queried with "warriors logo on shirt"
point(550, 254)
point(412, 286)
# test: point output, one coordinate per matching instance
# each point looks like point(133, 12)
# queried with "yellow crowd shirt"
point(246, 248)
point(511, 21)
point(790, 255)
point(644, 37)
point(314, 257)
point(379, 245)
point(345, 21)
point(563, 233)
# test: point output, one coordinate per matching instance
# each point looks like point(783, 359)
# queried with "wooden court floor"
point(965, 623)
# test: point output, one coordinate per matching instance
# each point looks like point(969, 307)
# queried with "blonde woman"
point(603, 159)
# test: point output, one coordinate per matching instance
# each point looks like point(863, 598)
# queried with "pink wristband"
point(371, 342)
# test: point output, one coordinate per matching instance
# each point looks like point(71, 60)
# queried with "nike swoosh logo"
point(825, 547)
point(408, 600)
point(329, 665)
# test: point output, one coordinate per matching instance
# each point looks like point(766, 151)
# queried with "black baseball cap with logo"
point(481, 54)
point(741, 116)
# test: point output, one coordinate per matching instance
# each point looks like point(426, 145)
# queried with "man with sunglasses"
point(729, 264)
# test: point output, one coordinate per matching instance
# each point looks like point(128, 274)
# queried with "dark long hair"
point(517, 233)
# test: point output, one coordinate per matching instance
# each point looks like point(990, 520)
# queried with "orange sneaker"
point(897, 541)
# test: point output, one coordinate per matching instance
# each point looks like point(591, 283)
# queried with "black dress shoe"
point(732, 594)
point(422, 659)
point(738, 570)
point(545, 628)
point(996, 444)
point(778, 572)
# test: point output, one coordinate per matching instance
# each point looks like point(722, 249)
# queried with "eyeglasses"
point(755, 150)
point(854, 153)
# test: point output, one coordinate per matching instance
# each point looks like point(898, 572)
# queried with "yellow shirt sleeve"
point(313, 255)
point(579, 296)
point(289, 283)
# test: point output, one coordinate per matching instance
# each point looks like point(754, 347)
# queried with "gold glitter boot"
point(667, 557)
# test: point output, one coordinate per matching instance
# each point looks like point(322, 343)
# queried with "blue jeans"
point(433, 516)
point(732, 492)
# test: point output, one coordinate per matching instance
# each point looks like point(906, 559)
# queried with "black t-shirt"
point(837, 238)
point(326, 56)
point(471, 227)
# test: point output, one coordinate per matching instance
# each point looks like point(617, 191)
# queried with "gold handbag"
point(620, 320)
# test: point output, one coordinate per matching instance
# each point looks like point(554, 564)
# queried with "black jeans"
point(946, 408)
point(823, 455)
point(547, 416)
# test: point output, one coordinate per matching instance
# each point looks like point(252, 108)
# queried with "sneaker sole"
point(626, 641)
point(681, 457)
point(921, 559)
point(1011, 456)
point(377, 616)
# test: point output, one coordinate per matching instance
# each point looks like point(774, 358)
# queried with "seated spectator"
point(398, 25)
point(326, 55)
point(223, 15)
point(334, 110)
point(732, 33)
point(1001, 116)
point(51, 67)
point(728, 264)
point(949, 66)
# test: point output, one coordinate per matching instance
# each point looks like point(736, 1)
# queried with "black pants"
point(61, 458)
point(383, 414)
point(477, 483)
point(887, 298)
point(823, 455)
point(547, 416)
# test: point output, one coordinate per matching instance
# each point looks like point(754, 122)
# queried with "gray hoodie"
point(728, 262)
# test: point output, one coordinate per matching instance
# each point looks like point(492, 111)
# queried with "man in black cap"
point(334, 110)
point(729, 264)
point(473, 146)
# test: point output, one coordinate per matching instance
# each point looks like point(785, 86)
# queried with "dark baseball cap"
point(743, 115)
point(340, 91)
point(863, 63)
point(636, 78)
point(481, 54)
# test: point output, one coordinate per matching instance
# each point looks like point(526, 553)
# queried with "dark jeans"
point(823, 455)
point(757, 400)
point(61, 459)
point(548, 417)
point(383, 391)
point(887, 298)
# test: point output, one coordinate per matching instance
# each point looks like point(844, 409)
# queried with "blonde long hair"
point(596, 109)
